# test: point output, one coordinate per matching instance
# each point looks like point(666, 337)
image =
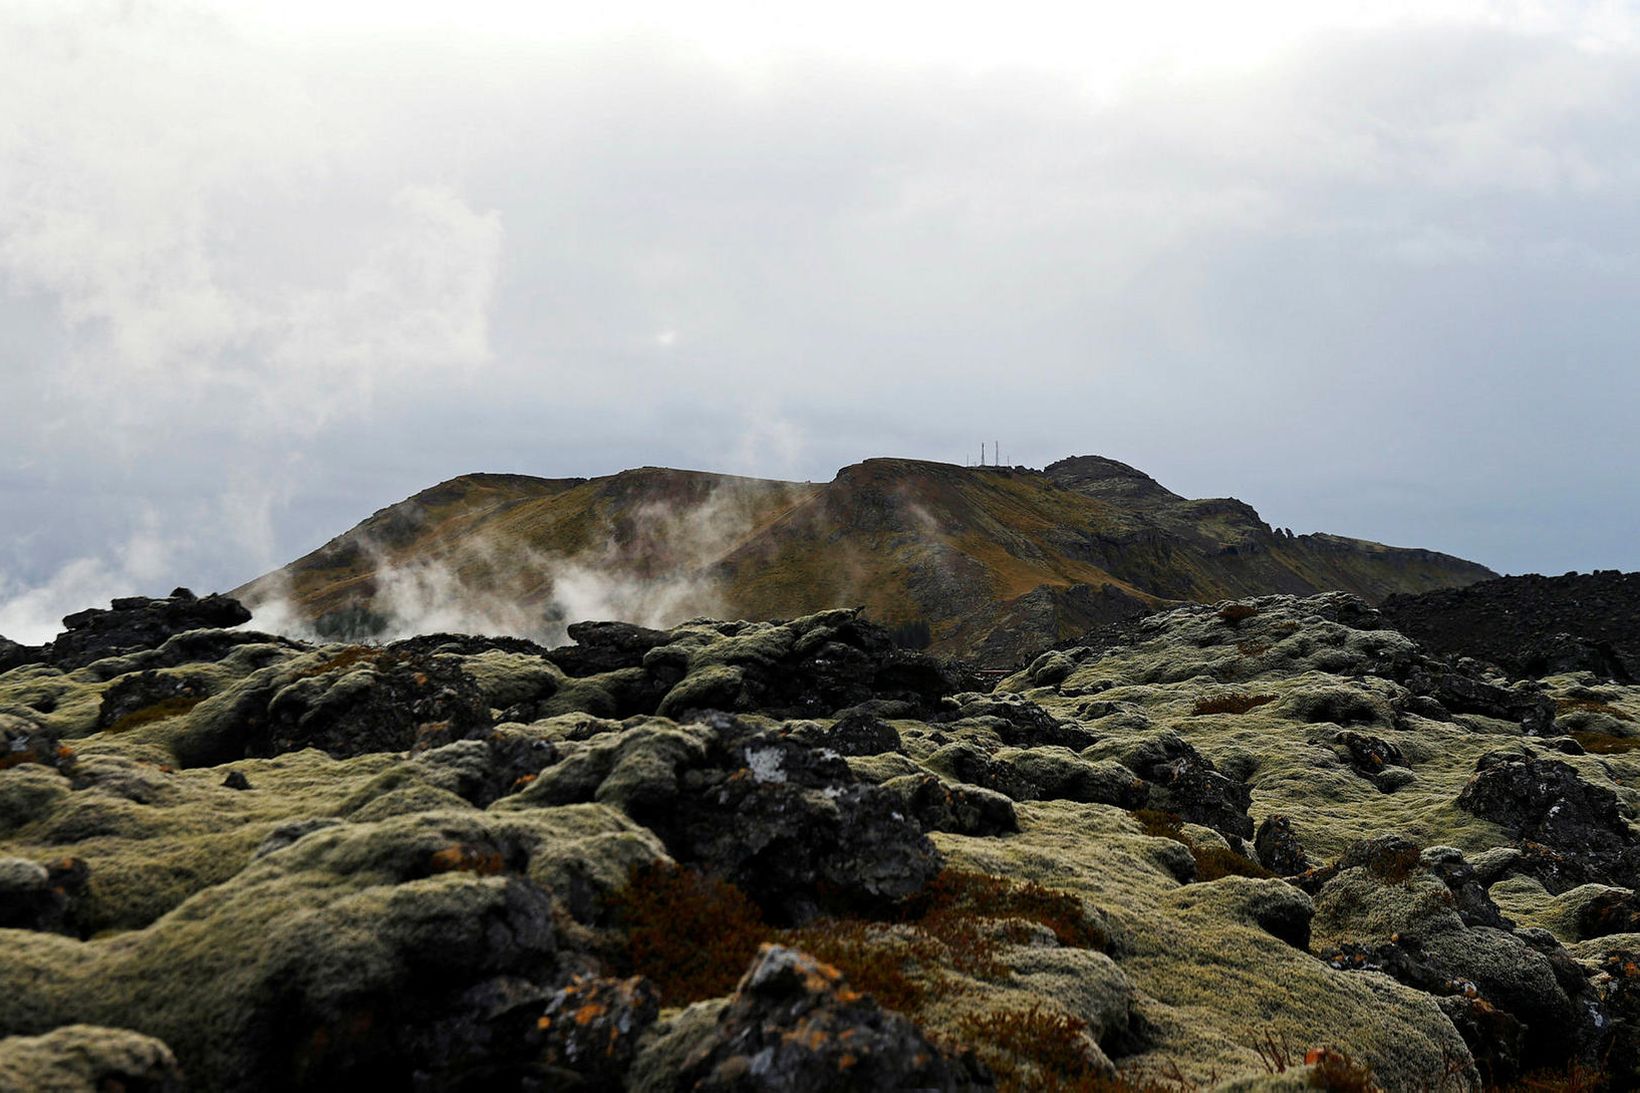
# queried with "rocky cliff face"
point(992, 562)
point(1533, 625)
point(1267, 843)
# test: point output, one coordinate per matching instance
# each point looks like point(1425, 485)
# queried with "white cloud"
point(322, 255)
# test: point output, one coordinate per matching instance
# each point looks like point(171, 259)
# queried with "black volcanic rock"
point(795, 1026)
point(139, 622)
point(1532, 625)
point(1543, 801)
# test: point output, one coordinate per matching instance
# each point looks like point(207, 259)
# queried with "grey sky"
point(264, 269)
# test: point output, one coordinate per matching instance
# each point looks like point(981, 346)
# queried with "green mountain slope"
point(993, 561)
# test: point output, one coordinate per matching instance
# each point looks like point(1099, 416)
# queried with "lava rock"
point(591, 1027)
point(1532, 626)
point(1614, 911)
point(139, 622)
point(1017, 722)
point(373, 701)
point(787, 824)
point(1369, 755)
point(794, 1025)
point(40, 897)
point(1459, 692)
point(853, 734)
point(13, 655)
point(1278, 848)
point(1185, 782)
point(606, 647)
point(1496, 1039)
point(961, 810)
point(1544, 801)
point(132, 694)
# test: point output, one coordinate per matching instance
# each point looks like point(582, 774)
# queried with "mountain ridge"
point(995, 562)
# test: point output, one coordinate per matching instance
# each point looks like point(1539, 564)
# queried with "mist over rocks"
point(992, 563)
point(675, 856)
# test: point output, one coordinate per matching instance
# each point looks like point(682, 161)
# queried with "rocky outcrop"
point(1533, 626)
point(794, 1025)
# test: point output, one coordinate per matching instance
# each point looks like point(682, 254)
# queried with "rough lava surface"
point(1268, 843)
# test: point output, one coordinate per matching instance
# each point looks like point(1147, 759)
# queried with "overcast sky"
point(265, 268)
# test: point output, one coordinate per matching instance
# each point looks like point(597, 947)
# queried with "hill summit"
point(994, 562)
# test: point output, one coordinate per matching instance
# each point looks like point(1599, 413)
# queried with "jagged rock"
point(784, 822)
point(605, 647)
point(22, 741)
point(40, 897)
point(142, 691)
point(1496, 1039)
point(1278, 848)
point(89, 1058)
point(1458, 692)
point(358, 701)
point(1369, 755)
point(1544, 801)
point(1612, 911)
point(483, 770)
point(969, 763)
point(1186, 783)
point(1533, 625)
point(139, 622)
point(591, 1027)
point(961, 810)
point(236, 780)
point(854, 734)
point(795, 1026)
point(12, 655)
point(402, 954)
point(1016, 722)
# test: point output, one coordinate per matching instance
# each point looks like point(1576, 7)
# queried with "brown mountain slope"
point(995, 561)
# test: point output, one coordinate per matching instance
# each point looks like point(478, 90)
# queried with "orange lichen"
point(463, 858)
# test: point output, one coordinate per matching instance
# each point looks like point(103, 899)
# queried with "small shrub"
point(367, 656)
point(949, 907)
point(1159, 824)
point(1575, 1078)
point(1605, 743)
point(1335, 1071)
point(1231, 703)
point(874, 961)
point(1213, 862)
point(1588, 705)
point(1395, 866)
point(1053, 1042)
point(692, 935)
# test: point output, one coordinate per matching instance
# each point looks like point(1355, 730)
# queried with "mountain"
point(996, 562)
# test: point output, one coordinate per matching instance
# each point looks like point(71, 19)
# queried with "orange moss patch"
point(1231, 703)
point(692, 935)
point(1589, 705)
point(159, 711)
point(1605, 743)
point(1236, 613)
